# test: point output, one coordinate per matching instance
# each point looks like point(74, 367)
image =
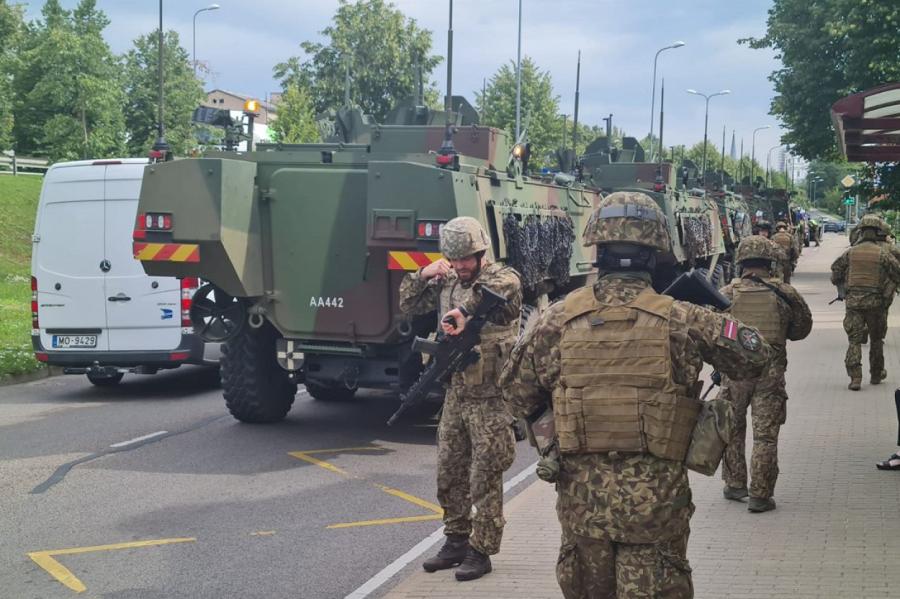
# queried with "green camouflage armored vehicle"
point(304, 246)
point(694, 221)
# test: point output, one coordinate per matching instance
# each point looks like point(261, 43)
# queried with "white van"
point(94, 310)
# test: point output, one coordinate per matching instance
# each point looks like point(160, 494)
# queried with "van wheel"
point(322, 392)
point(105, 380)
point(255, 387)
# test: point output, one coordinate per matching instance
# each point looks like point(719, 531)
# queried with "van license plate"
point(64, 341)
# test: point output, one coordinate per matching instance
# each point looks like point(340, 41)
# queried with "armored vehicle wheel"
point(322, 392)
point(256, 389)
point(105, 380)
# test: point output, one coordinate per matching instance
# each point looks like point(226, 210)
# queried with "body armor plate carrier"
point(616, 389)
point(865, 266)
point(757, 306)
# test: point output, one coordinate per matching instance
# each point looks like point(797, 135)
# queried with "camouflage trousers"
point(860, 325)
point(767, 399)
point(591, 568)
point(475, 447)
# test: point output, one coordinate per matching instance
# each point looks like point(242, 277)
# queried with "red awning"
point(868, 124)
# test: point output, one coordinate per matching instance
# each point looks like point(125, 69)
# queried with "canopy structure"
point(868, 124)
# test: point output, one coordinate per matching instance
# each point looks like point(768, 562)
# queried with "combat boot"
point(474, 566)
point(877, 378)
point(735, 493)
point(760, 504)
point(452, 554)
point(855, 384)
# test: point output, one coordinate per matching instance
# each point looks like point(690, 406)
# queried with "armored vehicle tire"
point(322, 392)
point(255, 387)
point(105, 380)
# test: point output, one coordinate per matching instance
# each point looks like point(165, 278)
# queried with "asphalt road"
point(191, 503)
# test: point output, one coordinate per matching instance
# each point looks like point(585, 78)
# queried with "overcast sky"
point(618, 38)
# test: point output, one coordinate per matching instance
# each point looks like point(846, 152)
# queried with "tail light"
point(189, 286)
point(429, 229)
point(151, 221)
point(35, 325)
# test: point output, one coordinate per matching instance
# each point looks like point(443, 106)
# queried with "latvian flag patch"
point(730, 329)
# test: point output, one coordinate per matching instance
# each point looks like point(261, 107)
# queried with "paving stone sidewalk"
point(836, 532)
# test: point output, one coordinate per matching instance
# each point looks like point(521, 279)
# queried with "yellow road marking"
point(301, 455)
point(342, 449)
point(262, 533)
point(412, 499)
point(386, 521)
point(45, 559)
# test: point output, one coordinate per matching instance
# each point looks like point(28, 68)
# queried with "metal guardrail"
point(22, 165)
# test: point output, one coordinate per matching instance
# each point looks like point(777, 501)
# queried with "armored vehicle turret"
point(304, 246)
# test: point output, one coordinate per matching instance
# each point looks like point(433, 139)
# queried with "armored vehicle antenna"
point(662, 113)
point(608, 120)
point(346, 83)
point(575, 117)
point(483, 97)
point(160, 150)
point(448, 103)
point(420, 87)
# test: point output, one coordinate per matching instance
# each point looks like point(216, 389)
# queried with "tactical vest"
point(757, 306)
point(865, 266)
point(616, 390)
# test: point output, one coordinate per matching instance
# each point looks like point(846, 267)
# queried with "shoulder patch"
point(749, 339)
point(730, 329)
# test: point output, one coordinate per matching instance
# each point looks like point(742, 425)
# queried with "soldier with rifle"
point(475, 439)
point(779, 312)
point(618, 365)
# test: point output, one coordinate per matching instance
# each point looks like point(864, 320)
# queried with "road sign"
point(849, 201)
point(848, 181)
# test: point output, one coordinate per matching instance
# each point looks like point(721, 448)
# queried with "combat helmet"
point(462, 237)
point(756, 247)
point(628, 217)
point(781, 225)
point(871, 221)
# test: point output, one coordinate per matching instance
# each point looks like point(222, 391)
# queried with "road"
point(151, 490)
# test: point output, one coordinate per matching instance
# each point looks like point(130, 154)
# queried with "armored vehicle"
point(304, 246)
point(694, 220)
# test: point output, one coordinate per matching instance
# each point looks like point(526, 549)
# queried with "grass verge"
point(18, 204)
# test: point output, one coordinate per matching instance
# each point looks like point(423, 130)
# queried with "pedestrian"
point(866, 276)
point(621, 364)
point(893, 462)
point(780, 314)
point(475, 439)
point(788, 244)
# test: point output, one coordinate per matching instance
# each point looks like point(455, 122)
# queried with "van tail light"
point(189, 286)
point(35, 325)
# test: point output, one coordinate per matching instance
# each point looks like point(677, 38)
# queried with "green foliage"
point(296, 121)
point(881, 180)
point(12, 29)
point(828, 49)
point(828, 191)
point(382, 50)
point(68, 93)
point(182, 94)
point(539, 111)
point(18, 205)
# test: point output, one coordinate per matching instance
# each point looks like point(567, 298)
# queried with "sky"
point(242, 41)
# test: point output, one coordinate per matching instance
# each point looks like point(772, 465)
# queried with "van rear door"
point(68, 259)
point(142, 312)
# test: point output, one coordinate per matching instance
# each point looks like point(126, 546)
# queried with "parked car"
point(94, 310)
point(834, 226)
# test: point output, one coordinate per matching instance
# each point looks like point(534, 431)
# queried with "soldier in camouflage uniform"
point(475, 439)
point(619, 364)
point(763, 228)
point(788, 244)
point(868, 274)
point(780, 313)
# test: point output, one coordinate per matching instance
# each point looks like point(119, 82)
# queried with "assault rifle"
point(695, 288)
point(450, 353)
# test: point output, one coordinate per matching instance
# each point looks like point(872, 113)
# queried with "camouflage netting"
point(539, 247)
point(697, 236)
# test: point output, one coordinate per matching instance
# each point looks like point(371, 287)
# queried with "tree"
point(183, 93)
point(828, 49)
point(381, 49)
point(539, 110)
point(296, 121)
point(12, 30)
point(68, 98)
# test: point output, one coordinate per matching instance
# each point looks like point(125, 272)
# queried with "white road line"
point(139, 439)
point(422, 546)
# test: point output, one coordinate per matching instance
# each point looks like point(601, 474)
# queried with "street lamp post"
point(706, 121)
point(768, 157)
point(194, 37)
point(753, 152)
point(677, 44)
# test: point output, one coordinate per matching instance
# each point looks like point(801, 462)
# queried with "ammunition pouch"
point(710, 436)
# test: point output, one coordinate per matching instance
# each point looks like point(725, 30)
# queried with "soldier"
point(787, 242)
point(780, 313)
point(619, 363)
point(763, 228)
point(886, 240)
point(866, 276)
point(475, 439)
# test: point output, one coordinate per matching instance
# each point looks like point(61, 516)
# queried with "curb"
point(42, 373)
